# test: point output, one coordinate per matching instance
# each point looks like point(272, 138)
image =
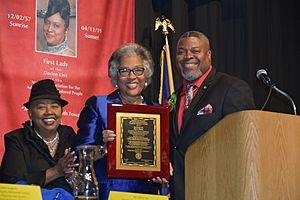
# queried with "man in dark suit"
point(205, 98)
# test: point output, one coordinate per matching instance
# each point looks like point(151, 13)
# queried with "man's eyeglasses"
point(125, 71)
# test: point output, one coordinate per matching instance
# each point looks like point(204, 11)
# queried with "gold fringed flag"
point(166, 74)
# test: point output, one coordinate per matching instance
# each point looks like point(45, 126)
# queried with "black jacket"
point(27, 157)
point(226, 94)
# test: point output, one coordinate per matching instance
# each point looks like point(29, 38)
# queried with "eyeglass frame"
point(129, 70)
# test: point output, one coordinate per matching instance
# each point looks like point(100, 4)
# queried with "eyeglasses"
point(125, 71)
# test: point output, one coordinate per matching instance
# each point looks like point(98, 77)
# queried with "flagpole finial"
point(165, 23)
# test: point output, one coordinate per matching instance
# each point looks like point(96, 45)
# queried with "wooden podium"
point(248, 155)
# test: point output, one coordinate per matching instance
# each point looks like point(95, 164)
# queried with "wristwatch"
point(101, 150)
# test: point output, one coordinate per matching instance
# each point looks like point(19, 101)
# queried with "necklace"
point(58, 49)
point(139, 101)
point(52, 145)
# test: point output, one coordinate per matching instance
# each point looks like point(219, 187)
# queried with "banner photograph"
point(68, 41)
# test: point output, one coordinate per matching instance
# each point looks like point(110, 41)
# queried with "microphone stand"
point(263, 76)
point(287, 96)
point(267, 99)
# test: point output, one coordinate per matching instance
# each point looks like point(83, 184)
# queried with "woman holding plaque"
point(130, 69)
point(39, 152)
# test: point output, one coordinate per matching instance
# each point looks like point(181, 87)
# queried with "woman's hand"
point(163, 180)
point(67, 162)
point(65, 165)
point(159, 180)
point(108, 135)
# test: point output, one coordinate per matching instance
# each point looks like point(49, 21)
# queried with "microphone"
point(263, 76)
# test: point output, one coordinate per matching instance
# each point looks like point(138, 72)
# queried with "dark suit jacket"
point(27, 157)
point(226, 95)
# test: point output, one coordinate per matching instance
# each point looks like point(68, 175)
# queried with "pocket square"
point(208, 109)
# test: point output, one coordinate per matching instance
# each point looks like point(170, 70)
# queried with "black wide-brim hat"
point(44, 89)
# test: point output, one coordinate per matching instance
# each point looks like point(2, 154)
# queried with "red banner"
point(78, 65)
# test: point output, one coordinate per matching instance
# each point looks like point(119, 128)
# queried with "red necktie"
point(189, 94)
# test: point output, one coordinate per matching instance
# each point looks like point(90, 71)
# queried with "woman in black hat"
point(39, 153)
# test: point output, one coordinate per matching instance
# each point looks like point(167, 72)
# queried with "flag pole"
point(165, 24)
point(170, 73)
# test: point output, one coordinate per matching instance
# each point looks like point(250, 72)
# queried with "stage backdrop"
point(96, 29)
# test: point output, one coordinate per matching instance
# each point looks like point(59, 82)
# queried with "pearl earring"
point(116, 86)
point(146, 84)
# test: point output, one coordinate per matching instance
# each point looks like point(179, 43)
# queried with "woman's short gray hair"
point(130, 49)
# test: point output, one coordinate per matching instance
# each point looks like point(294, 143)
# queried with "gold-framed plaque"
point(141, 147)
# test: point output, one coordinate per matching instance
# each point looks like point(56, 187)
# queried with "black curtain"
point(245, 35)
